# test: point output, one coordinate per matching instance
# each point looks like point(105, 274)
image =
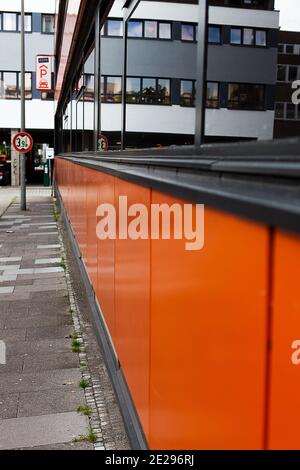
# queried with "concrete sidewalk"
point(40, 382)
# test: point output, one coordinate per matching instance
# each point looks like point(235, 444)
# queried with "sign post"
point(22, 156)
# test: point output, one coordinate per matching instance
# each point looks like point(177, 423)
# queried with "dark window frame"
point(194, 25)
point(143, 21)
point(219, 27)
point(105, 94)
point(255, 30)
point(156, 84)
point(247, 108)
point(18, 84)
point(42, 24)
point(183, 102)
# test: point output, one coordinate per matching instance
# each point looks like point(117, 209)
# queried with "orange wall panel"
point(285, 376)
point(208, 337)
point(132, 301)
point(92, 181)
point(105, 289)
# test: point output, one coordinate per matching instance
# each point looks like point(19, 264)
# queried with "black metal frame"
point(258, 181)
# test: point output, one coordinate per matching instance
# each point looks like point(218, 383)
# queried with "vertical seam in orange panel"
point(270, 291)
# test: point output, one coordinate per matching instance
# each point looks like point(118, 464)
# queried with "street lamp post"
point(23, 156)
point(203, 9)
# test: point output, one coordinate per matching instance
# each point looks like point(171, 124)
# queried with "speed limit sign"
point(23, 142)
point(103, 144)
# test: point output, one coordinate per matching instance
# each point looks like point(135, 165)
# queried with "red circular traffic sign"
point(23, 142)
point(103, 144)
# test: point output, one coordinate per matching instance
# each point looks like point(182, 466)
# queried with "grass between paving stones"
point(90, 437)
point(63, 264)
point(84, 384)
point(56, 215)
point(76, 346)
point(84, 410)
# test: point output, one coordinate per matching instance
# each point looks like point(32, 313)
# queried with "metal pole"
point(23, 156)
point(201, 72)
point(124, 84)
point(97, 109)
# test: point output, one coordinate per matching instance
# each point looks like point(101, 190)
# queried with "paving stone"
point(47, 346)
point(13, 365)
point(46, 380)
point(49, 402)
point(41, 430)
point(49, 332)
point(9, 405)
point(36, 321)
point(50, 361)
point(13, 335)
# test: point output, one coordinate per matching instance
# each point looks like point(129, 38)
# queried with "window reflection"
point(114, 28)
point(135, 29)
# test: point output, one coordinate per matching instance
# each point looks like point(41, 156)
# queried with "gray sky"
point(289, 14)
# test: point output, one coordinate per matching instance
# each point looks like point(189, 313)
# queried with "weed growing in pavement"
point(84, 384)
point(76, 346)
point(84, 410)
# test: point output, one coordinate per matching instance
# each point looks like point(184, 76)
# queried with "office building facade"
point(162, 73)
point(39, 39)
point(287, 115)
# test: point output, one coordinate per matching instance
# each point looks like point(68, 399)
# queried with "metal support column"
point(129, 8)
point(97, 107)
point(124, 85)
point(201, 72)
point(23, 156)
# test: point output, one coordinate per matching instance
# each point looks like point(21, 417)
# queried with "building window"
point(293, 73)
point(188, 32)
point(289, 49)
point(287, 111)
point(27, 23)
point(135, 29)
point(214, 34)
point(248, 37)
point(111, 89)
point(290, 111)
point(9, 21)
point(155, 91)
point(187, 93)
point(151, 29)
point(281, 48)
point(212, 95)
point(261, 38)
point(48, 24)
point(165, 31)
point(115, 28)
point(244, 96)
point(281, 73)
point(236, 36)
point(279, 110)
point(89, 84)
point(10, 85)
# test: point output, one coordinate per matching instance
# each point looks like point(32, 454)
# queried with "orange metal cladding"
point(189, 327)
point(208, 337)
point(105, 289)
point(92, 181)
point(132, 303)
point(285, 376)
